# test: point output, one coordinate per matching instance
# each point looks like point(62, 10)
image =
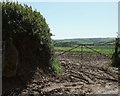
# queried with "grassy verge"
point(56, 66)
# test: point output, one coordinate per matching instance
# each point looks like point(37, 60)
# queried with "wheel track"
point(100, 71)
point(83, 77)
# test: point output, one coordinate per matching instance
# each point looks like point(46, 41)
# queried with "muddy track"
point(90, 75)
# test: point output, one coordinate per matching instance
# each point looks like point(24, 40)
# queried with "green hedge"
point(18, 19)
point(29, 31)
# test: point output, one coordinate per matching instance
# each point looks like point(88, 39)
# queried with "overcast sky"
point(79, 19)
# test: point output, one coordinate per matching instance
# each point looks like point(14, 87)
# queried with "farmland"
point(107, 50)
point(100, 45)
point(91, 74)
point(74, 42)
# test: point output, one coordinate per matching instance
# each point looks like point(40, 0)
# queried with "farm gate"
point(89, 52)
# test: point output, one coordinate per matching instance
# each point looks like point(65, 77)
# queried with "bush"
point(116, 54)
point(56, 66)
point(30, 34)
point(18, 19)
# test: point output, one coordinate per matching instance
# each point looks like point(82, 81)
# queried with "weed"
point(56, 66)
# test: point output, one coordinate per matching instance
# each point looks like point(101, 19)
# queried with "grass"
point(56, 66)
point(107, 50)
point(57, 69)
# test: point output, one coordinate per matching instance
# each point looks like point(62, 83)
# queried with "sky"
point(79, 19)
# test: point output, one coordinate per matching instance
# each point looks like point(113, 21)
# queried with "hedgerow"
point(30, 34)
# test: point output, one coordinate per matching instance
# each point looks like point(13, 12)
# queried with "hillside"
point(73, 42)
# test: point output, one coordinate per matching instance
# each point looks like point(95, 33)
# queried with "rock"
point(35, 93)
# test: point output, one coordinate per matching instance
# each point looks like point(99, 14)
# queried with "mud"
point(89, 75)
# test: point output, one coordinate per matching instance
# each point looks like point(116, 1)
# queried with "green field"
point(107, 50)
point(74, 42)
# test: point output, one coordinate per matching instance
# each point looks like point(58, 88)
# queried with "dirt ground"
point(89, 75)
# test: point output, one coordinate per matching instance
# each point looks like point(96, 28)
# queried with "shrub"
point(30, 34)
point(116, 54)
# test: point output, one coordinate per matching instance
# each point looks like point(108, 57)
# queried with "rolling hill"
point(73, 42)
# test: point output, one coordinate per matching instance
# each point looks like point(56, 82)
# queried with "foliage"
point(18, 19)
point(29, 31)
point(116, 54)
point(56, 66)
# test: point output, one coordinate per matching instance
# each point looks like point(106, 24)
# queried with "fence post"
point(81, 52)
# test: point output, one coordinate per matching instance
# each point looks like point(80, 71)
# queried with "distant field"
point(74, 42)
point(107, 50)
